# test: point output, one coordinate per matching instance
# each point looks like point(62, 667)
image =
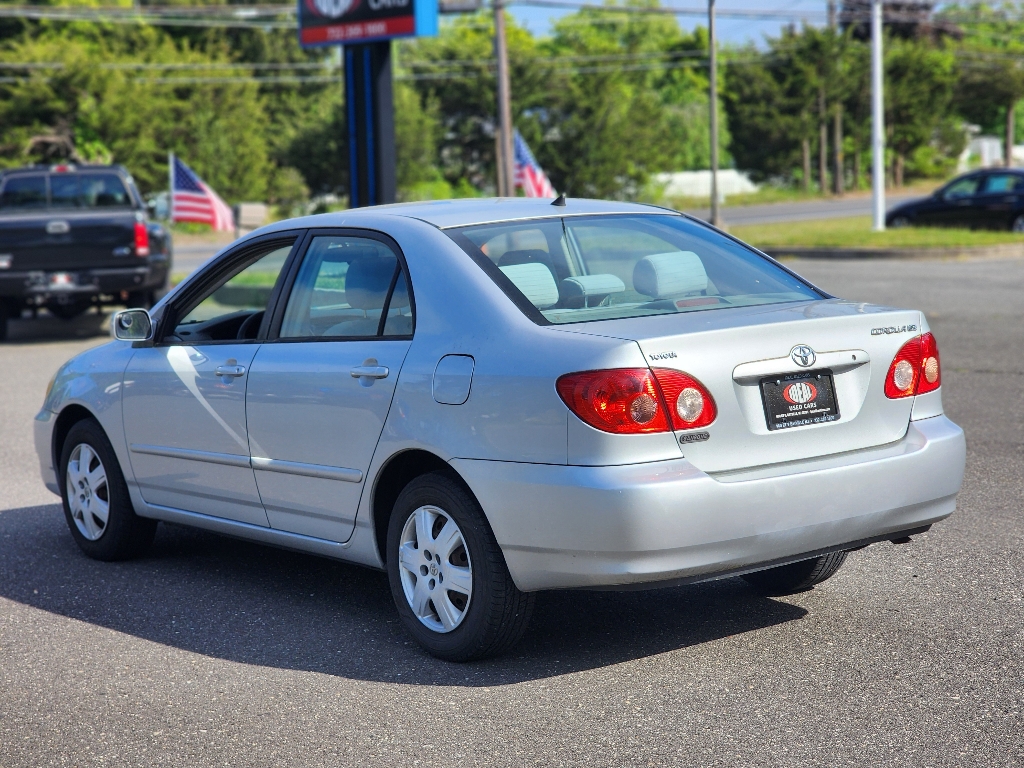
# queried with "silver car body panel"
point(570, 505)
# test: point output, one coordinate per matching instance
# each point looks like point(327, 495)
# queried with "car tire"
point(487, 614)
point(1018, 224)
point(6, 313)
point(140, 300)
point(97, 506)
point(899, 222)
point(795, 577)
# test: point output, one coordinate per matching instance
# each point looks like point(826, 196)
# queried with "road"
point(216, 652)
point(805, 210)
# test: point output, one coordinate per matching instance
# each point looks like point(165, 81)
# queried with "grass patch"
point(855, 232)
point(768, 194)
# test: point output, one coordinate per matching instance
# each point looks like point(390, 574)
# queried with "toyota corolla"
point(489, 398)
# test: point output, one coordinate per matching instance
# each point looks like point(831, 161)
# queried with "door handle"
point(231, 371)
point(369, 372)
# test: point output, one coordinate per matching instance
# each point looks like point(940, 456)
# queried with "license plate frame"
point(787, 411)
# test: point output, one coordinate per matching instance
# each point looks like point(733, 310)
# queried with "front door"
point(953, 206)
point(320, 391)
point(184, 398)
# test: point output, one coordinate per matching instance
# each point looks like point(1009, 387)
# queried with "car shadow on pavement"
point(48, 328)
point(242, 602)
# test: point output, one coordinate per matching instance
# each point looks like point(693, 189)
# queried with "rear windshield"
point(65, 190)
point(586, 268)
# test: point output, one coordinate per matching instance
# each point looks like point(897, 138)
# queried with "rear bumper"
point(570, 526)
point(34, 287)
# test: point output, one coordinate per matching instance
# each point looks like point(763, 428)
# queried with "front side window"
point(23, 192)
point(348, 287)
point(608, 267)
point(234, 306)
point(961, 188)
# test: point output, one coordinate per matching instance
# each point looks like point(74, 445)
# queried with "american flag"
point(192, 200)
point(528, 174)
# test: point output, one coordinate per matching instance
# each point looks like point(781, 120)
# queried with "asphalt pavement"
point(212, 652)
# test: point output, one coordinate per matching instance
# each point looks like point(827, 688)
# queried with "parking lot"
point(211, 651)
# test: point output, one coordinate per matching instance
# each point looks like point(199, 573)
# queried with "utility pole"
point(506, 183)
point(716, 219)
point(877, 121)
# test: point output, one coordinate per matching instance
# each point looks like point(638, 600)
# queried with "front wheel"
point(795, 577)
point(1017, 225)
point(448, 576)
point(97, 507)
point(899, 222)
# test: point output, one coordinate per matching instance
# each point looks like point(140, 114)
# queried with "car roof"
point(456, 213)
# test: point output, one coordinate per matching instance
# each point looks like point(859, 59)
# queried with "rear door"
point(320, 390)
point(999, 200)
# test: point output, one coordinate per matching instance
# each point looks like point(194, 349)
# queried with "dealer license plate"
point(799, 399)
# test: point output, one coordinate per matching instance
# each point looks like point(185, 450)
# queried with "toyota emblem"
point(803, 356)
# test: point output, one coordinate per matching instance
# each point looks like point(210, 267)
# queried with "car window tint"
point(24, 192)
point(103, 190)
point(342, 290)
point(64, 191)
point(607, 267)
point(1002, 182)
point(220, 313)
point(962, 188)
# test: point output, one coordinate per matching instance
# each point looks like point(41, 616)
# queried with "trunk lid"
point(732, 351)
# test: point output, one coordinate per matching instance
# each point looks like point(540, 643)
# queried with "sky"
point(731, 31)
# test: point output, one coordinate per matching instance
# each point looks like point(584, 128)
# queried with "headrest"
point(535, 281)
point(368, 280)
point(524, 256)
point(584, 290)
point(662, 275)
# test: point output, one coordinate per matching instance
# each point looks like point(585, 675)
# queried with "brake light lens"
point(915, 370)
point(630, 401)
point(141, 239)
point(690, 405)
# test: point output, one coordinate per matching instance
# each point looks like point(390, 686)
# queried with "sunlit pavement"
point(211, 651)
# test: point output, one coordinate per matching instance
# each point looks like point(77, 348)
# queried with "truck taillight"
point(141, 239)
point(629, 401)
point(915, 370)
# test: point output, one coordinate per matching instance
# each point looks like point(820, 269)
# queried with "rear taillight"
point(689, 402)
point(141, 239)
point(915, 370)
point(637, 400)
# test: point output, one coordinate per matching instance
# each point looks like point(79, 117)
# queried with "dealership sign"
point(339, 22)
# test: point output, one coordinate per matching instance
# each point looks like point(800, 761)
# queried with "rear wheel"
point(795, 577)
point(7, 311)
point(96, 503)
point(140, 300)
point(448, 576)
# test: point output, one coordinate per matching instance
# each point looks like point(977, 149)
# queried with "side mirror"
point(132, 325)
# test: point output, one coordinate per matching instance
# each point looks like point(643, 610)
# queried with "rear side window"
point(348, 287)
point(24, 192)
point(608, 267)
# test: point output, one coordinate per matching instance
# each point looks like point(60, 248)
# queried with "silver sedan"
point(488, 398)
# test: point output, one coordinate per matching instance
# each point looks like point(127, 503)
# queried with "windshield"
point(585, 268)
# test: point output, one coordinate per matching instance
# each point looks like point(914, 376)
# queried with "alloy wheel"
point(88, 492)
point(434, 565)
point(1018, 224)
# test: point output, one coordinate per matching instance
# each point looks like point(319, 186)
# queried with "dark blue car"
point(988, 199)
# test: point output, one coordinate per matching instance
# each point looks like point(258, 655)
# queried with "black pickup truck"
point(77, 236)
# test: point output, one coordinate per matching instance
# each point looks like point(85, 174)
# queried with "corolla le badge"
point(803, 355)
point(799, 393)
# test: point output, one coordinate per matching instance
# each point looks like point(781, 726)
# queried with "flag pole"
point(170, 188)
